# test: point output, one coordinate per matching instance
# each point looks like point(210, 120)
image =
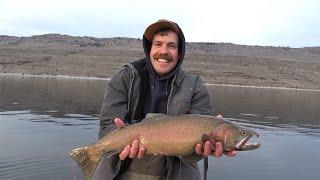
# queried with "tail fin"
point(85, 161)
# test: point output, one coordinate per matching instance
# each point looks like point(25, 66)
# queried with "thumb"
point(119, 123)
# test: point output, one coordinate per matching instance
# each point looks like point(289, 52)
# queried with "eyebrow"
point(171, 42)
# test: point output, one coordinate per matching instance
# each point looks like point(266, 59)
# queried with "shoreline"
point(217, 64)
point(108, 79)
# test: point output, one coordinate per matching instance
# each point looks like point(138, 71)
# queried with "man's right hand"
point(133, 150)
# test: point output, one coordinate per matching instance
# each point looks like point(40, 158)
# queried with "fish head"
point(234, 137)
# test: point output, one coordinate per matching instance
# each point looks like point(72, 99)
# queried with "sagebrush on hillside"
point(220, 63)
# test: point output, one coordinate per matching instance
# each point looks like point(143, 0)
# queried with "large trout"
point(166, 135)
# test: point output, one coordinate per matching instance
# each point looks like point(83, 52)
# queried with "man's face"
point(164, 52)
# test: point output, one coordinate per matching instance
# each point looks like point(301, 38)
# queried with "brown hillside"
point(221, 63)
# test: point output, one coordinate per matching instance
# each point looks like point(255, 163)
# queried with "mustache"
point(163, 56)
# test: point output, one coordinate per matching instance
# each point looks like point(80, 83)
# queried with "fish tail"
point(85, 160)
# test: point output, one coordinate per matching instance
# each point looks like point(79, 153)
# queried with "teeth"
point(162, 60)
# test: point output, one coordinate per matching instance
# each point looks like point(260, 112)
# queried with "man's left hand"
point(213, 149)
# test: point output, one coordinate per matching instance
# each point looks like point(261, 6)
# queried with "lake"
point(43, 118)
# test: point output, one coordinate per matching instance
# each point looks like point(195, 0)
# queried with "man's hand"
point(212, 148)
point(133, 150)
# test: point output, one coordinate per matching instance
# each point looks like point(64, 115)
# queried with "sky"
point(293, 23)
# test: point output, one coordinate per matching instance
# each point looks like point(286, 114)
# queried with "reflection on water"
point(281, 108)
point(50, 95)
point(42, 119)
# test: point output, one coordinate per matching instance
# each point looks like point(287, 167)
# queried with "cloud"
point(264, 22)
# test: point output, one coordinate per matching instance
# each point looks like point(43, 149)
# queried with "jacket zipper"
point(169, 97)
point(129, 97)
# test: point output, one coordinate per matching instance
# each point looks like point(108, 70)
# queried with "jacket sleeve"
point(200, 104)
point(201, 100)
point(115, 102)
point(114, 105)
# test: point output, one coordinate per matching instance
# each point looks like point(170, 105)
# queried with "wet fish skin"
point(165, 135)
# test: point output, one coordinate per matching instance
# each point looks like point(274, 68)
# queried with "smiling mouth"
point(163, 60)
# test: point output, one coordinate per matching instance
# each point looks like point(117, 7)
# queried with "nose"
point(164, 49)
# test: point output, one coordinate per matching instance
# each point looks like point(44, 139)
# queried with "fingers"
point(125, 152)
point(219, 116)
point(212, 149)
point(141, 153)
point(198, 149)
point(218, 150)
point(207, 150)
point(132, 151)
point(119, 123)
point(204, 150)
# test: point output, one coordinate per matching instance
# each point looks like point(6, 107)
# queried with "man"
point(155, 84)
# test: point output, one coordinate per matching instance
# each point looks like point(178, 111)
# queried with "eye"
point(243, 132)
point(172, 46)
point(156, 44)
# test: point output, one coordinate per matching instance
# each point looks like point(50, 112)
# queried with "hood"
point(147, 42)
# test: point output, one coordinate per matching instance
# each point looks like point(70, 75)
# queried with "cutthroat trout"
point(166, 135)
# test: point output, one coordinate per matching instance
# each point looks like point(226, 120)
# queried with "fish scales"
point(166, 135)
point(169, 136)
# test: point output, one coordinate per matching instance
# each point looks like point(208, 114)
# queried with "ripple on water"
point(14, 113)
point(66, 120)
point(35, 167)
point(280, 128)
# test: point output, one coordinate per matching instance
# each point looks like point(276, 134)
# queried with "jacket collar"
point(178, 78)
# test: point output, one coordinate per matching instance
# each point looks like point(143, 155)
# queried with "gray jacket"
point(188, 95)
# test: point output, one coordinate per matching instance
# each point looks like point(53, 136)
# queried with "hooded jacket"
point(126, 96)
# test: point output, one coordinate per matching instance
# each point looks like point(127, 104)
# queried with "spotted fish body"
point(166, 135)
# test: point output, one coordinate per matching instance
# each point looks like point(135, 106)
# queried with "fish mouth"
point(244, 145)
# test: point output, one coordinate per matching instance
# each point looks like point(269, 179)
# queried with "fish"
point(166, 135)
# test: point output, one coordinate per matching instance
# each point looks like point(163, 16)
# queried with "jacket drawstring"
point(153, 81)
point(167, 82)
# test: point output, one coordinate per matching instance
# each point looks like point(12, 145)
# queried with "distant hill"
point(222, 49)
point(221, 63)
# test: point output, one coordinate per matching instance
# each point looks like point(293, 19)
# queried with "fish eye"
point(243, 132)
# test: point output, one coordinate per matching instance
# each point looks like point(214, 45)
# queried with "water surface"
point(43, 118)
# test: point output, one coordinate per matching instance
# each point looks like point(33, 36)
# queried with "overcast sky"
point(294, 23)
